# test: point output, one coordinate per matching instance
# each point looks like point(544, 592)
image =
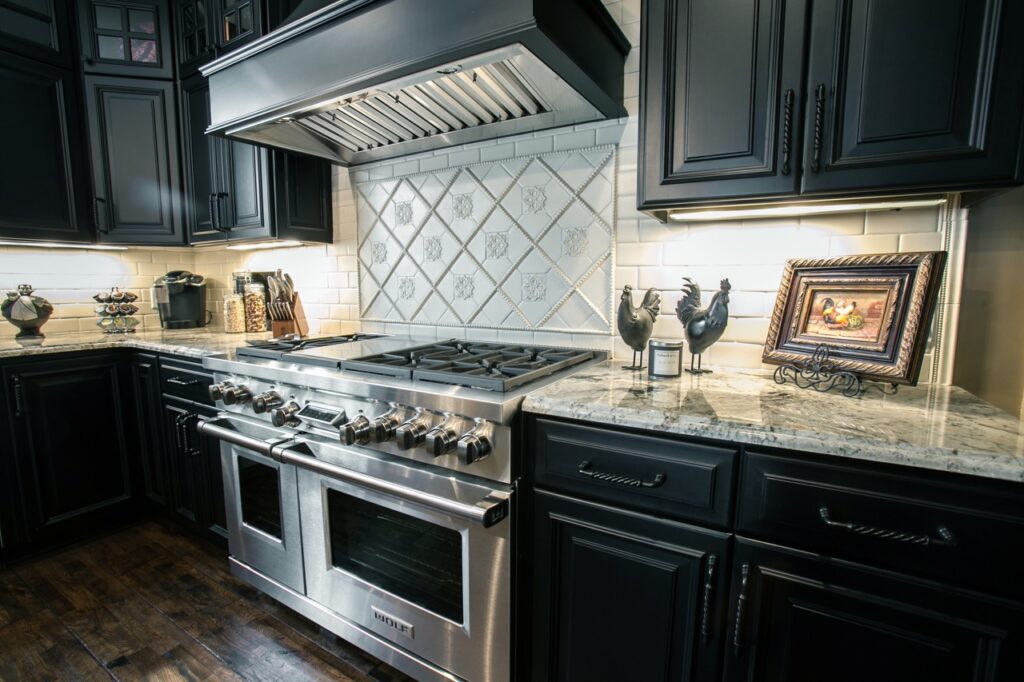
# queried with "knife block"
point(297, 325)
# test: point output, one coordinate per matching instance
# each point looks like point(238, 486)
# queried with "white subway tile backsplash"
point(921, 241)
point(875, 243)
point(902, 221)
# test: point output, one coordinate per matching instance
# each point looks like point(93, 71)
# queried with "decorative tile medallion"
point(519, 243)
point(464, 287)
point(534, 199)
point(403, 212)
point(497, 245)
point(432, 248)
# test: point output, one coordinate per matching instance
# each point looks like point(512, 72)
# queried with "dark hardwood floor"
point(149, 602)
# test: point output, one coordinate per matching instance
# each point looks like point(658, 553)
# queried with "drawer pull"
point(945, 538)
point(705, 611)
point(585, 469)
point(178, 381)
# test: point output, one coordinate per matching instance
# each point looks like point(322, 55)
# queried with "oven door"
point(419, 557)
point(261, 499)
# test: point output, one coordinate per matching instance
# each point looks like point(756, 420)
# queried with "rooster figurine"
point(637, 324)
point(702, 327)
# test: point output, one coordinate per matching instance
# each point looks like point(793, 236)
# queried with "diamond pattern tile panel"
point(522, 243)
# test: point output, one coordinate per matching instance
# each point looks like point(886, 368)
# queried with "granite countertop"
point(194, 343)
point(931, 427)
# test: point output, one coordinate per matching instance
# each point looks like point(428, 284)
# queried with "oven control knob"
point(440, 441)
point(216, 391)
point(356, 432)
point(411, 433)
point(266, 401)
point(237, 395)
point(383, 427)
point(474, 446)
point(284, 414)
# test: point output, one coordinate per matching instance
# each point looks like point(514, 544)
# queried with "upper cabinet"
point(746, 101)
point(126, 38)
point(207, 29)
point(39, 29)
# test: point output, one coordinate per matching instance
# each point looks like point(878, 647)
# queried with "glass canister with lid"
point(255, 307)
point(234, 313)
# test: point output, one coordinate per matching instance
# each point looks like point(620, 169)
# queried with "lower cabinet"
point(152, 454)
point(69, 449)
point(624, 596)
point(801, 617)
point(197, 487)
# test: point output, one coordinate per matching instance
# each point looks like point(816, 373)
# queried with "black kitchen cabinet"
point(126, 38)
point(43, 168)
point(238, 191)
point(207, 29)
point(797, 617)
point(746, 101)
point(38, 30)
point(238, 22)
point(912, 94)
point(623, 596)
point(721, 87)
point(71, 441)
point(197, 496)
point(152, 453)
point(133, 139)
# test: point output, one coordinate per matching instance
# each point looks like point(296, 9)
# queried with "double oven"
point(408, 561)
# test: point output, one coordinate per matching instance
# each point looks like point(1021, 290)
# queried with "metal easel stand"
point(819, 373)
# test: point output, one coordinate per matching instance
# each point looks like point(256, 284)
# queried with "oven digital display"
point(323, 415)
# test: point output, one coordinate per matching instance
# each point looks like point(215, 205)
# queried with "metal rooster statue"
point(637, 324)
point(702, 327)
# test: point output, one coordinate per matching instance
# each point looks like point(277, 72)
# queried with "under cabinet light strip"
point(263, 245)
point(796, 210)
point(59, 245)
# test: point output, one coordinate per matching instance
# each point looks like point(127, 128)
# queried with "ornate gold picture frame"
point(874, 312)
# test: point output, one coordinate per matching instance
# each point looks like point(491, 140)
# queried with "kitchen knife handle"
point(787, 132)
point(819, 124)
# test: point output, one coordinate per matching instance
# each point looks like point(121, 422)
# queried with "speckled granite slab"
point(194, 343)
point(932, 427)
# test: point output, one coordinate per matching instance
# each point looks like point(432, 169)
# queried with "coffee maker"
point(180, 298)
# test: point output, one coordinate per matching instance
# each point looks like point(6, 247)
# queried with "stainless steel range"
point(370, 485)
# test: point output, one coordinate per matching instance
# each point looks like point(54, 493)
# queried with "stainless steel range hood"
point(363, 80)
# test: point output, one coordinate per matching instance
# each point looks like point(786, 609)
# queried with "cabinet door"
point(302, 195)
point(215, 515)
point(185, 460)
point(720, 97)
point(799, 618)
point(152, 453)
point(621, 596)
point(124, 38)
point(36, 28)
point(199, 157)
point(71, 453)
point(913, 94)
point(244, 190)
point(239, 22)
point(43, 164)
point(194, 23)
point(133, 138)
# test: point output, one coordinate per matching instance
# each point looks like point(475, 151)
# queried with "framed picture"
point(874, 312)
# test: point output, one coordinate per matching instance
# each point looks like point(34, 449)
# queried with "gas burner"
point(490, 366)
point(276, 349)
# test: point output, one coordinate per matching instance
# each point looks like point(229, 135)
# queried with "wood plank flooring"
point(151, 603)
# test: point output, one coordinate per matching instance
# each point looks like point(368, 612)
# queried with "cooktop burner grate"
point(276, 349)
point(490, 366)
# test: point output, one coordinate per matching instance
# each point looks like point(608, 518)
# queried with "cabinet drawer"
point(965, 531)
point(185, 381)
point(664, 476)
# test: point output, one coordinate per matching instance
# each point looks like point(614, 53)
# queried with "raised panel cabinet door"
point(720, 100)
point(152, 454)
point(185, 455)
point(71, 445)
point(43, 175)
point(621, 596)
point(243, 199)
point(302, 197)
point(133, 137)
point(201, 164)
point(799, 617)
point(915, 94)
point(215, 514)
point(194, 29)
point(239, 22)
point(38, 29)
point(126, 38)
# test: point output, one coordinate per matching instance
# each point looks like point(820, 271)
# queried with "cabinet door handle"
point(177, 431)
point(819, 123)
point(185, 447)
point(706, 606)
point(945, 539)
point(101, 226)
point(220, 196)
point(210, 201)
point(787, 132)
point(584, 468)
point(178, 381)
point(19, 398)
point(741, 607)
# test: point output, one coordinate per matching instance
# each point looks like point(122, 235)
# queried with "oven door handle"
point(487, 512)
point(221, 428)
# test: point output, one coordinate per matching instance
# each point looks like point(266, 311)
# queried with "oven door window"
point(413, 559)
point(260, 490)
